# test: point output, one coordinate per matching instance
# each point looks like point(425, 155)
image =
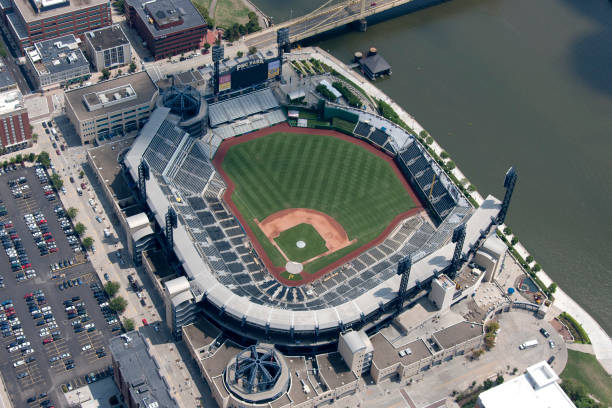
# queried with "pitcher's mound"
point(300, 244)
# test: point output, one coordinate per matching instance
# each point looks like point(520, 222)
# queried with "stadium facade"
point(224, 278)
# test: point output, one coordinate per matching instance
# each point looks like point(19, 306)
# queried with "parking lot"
point(53, 329)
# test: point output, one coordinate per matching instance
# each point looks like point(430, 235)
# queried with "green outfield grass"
point(315, 244)
point(324, 173)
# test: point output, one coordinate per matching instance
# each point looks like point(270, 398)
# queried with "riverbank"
point(602, 344)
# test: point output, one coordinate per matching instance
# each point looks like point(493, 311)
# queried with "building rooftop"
point(201, 333)
point(57, 55)
point(385, 355)
point(457, 334)
point(106, 160)
point(135, 89)
point(51, 8)
point(163, 17)
point(107, 37)
point(376, 64)
point(334, 370)
point(10, 101)
point(146, 386)
point(215, 365)
point(6, 78)
point(535, 389)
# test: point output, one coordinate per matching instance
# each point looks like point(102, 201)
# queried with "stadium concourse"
point(224, 278)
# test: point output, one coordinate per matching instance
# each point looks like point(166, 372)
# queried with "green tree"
point(529, 259)
point(57, 181)
point(207, 46)
point(128, 324)
point(72, 213)
point(88, 242)
point(552, 288)
point(450, 165)
point(119, 72)
point(118, 304)
point(515, 240)
point(492, 326)
point(132, 66)
point(444, 155)
point(31, 157)
point(44, 159)
point(3, 52)
point(105, 73)
point(239, 54)
point(536, 268)
point(81, 174)
point(429, 140)
point(252, 50)
point(471, 188)
point(19, 158)
point(80, 229)
point(111, 288)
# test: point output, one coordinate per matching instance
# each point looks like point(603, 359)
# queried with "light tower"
point(458, 239)
point(403, 269)
point(217, 56)
point(143, 175)
point(282, 39)
point(509, 183)
point(171, 223)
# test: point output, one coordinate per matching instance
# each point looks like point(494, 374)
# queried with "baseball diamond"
point(349, 192)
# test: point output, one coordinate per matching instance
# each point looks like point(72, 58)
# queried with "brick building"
point(15, 132)
point(29, 21)
point(169, 27)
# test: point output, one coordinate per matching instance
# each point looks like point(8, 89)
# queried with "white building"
point(108, 47)
point(537, 388)
point(57, 61)
point(442, 292)
point(356, 350)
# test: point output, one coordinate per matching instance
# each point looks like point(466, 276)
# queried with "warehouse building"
point(108, 47)
point(39, 20)
point(57, 61)
point(168, 27)
point(111, 108)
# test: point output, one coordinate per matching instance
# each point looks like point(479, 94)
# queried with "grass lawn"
point(324, 173)
point(586, 370)
point(203, 3)
point(315, 244)
point(228, 12)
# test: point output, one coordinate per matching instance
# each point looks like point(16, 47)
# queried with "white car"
point(12, 349)
point(87, 347)
point(44, 332)
point(89, 325)
point(112, 321)
point(65, 355)
point(26, 352)
point(19, 363)
point(24, 345)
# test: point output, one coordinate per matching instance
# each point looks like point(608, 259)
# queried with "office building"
point(57, 61)
point(137, 374)
point(108, 47)
point(32, 21)
point(168, 27)
point(15, 132)
point(112, 107)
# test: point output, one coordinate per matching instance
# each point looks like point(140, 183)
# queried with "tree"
point(490, 340)
point(119, 72)
point(44, 159)
point(508, 231)
point(450, 165)
point(429, 140)
point(72, 213)
point(19, 158)
point(536, 268)
point(492, 326)
point(118, 304)
point(514, 240)
point(132, 66)
point(105, 73)
point(444, 155)
point(57, 181)
point(31, 157)
point(239, 54)
point(111, 288)
point(529, 259)
point(252, 50)
point(128, 324)
point(88, 242)
point(81, 174)
point(552, 288)
point(79, 229)
point(471, 188)
point(3, 52)
point(207, 46)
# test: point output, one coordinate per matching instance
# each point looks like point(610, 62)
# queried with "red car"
point(47, 234)
point(47, 341)
point(9, 225)
point(83, 186)
point(50, 239)
point(57, 151)
point(27, 295)
point(14, 236)
point(53, 250)
point(144, 321)
point(26, 266)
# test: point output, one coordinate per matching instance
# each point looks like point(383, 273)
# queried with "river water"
point(514, 82)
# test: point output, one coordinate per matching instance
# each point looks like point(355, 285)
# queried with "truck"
point(53, 132)
point(107, 232)
point(528, 344)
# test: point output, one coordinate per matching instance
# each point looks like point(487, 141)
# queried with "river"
point(514, 82)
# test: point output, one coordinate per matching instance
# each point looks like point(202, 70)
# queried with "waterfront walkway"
point(602, 344)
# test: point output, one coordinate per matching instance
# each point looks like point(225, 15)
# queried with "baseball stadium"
point(292, 234)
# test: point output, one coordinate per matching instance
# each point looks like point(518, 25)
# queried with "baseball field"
point(313, 198)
